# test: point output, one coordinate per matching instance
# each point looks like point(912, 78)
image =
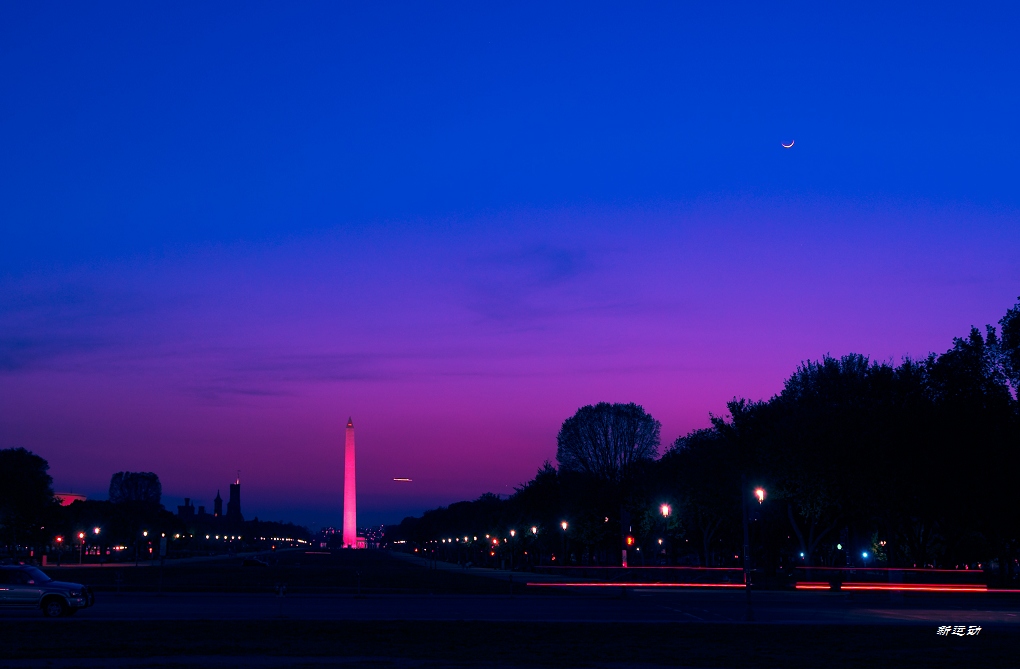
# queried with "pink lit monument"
point(350, 497)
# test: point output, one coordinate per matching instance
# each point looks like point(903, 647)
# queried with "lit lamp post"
point(563, 542)
point(145, 533)
point(81, 546)
point(759, 494)
point(665, 510)
point(99, 551)
point(513, 533)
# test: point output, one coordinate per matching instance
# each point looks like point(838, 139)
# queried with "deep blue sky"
point(228, 226)
point(133, 126)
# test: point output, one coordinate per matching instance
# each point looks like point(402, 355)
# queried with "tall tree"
point(25, 493)
point(1010, 346)
point(606, 440)
point(702, 470)
point(140, 487)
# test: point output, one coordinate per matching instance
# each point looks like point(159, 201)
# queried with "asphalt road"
point(637, 605)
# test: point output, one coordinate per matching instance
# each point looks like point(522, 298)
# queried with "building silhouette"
point(234, 503)
point(186, 511)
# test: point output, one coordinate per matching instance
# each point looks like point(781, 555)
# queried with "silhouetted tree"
point(25, 494)
point(1010, 346)
point(141, 487)
point(702, 468)
point(606, 440)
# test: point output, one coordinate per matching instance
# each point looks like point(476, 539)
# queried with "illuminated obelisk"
point(350, 497)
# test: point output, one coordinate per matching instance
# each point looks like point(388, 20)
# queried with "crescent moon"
point(787, 146)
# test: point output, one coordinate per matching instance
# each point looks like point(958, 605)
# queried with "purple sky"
point(459, 346)
point(226, 227)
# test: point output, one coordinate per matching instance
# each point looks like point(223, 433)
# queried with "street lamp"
point(665, 510)
point(563, 542)
point(81, 546)
point(759, 494)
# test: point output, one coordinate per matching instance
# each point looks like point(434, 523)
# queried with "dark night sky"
point(227, 228)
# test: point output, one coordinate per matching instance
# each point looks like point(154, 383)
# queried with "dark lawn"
point(517, 644)
point(301, 571)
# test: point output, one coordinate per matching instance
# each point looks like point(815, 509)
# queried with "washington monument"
point(350, 539)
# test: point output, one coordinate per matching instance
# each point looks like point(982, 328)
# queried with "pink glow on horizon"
point(462, 348)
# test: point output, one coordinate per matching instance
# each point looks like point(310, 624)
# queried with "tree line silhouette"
point(861, 462)
point(33, 523)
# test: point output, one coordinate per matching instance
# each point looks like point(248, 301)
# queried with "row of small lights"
point(513, 533)
point(145, 533)
point(664, 509)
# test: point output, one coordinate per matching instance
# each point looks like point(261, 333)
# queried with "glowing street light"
point(96, 530)
point(564, 525)
point(513, 533)
point(534, 530)
point(665, 510)
point(760, 494)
